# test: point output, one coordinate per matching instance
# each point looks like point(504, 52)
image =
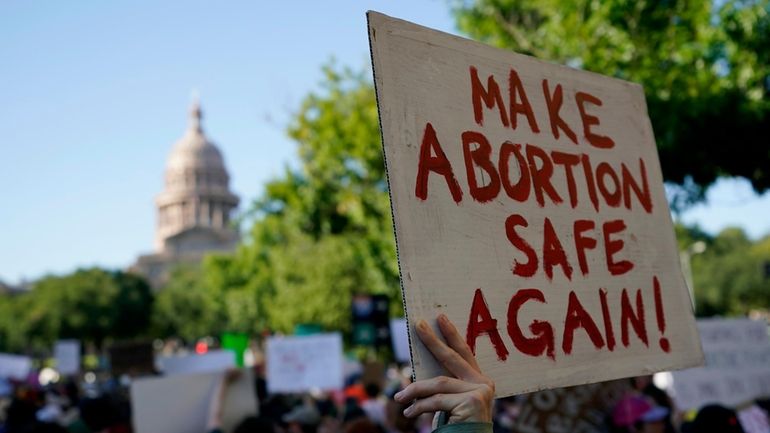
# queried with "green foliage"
point(91, 305)
point(186, 307)
point(729, 276)
point(705, 68)
point(320, 232)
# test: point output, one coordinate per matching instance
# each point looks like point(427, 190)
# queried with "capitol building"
point(194, 209)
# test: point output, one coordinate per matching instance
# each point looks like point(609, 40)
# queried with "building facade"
point(194, 210)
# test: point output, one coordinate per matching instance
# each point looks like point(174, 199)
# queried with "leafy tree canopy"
point(730, 277)
point(91, 305)
point(705, 67)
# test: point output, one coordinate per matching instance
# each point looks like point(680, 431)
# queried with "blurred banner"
point(212, 361)
point(238, 343)
point(371, 320)
point(180, 404)
point(400, 337)
point(754, 420)
point(737, 366)
point(67, 354)
point(299, 364)
point(14, 366)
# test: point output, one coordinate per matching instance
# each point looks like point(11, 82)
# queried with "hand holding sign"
point(467, 396)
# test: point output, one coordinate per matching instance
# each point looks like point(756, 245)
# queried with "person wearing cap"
point(636, 414)
point(464, 400)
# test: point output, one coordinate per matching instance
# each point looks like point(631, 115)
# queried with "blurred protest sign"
point(67, 354)
point(132, 358)
point(15, 366)
point(581, 408)
point(212, 361)
point(529, 207)
point(754, 420)
point(400, 337)
point(370, 320)
point(737, 366)
point(180, 404)
point(237, 343)
point(298, 364)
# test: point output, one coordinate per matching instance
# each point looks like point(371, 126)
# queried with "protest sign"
point(370, 320)
point(14, 366)
point(180, 404)
point(581, 408)
point(298, 364)
point(237, 343)
point(212, 361)
point(529, 208)
point(67, 354)
point(132, 358)
point(400, 338)
point(737, 366)
point(754, 420)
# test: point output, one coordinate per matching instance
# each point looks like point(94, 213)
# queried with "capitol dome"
point(194, 150)
point(195, 162)
point(196, 190)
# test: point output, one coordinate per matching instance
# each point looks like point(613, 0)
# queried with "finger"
point(434, 403)
point(445, 355)
point(435, 385)
point(456, 342)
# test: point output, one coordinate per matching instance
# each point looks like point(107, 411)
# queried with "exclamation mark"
point(664, 344)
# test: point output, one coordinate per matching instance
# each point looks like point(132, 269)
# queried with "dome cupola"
point(197, 192)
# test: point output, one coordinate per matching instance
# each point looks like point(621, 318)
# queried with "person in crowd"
point(374, 405)
point(363, 425)
point(637, 414)
point(396, 421)
point(303, 419)
point(714, 418)
point(645, 386)
point(463, 401)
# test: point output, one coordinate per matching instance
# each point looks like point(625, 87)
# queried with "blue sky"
point(95, 93)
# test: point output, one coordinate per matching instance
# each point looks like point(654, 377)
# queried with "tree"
point(91, 305)
point(186, 307)
point(705, 67)
point(323, 231)
point(133, 305)
point(729, 277)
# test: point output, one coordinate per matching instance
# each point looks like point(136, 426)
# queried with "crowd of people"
point(461, 402)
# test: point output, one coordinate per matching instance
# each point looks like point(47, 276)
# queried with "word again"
point(540, 340)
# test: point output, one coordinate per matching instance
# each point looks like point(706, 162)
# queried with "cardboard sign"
point(400, 337)
point(15, 366)
point(67, 354)
point(299, 364)
point(132, 358)
point(213, 361)
point(180, 404)
point(237, 343)
point(529, 208)
point(581, 409)
point(737, 366)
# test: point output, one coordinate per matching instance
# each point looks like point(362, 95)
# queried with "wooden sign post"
point(529, 208)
